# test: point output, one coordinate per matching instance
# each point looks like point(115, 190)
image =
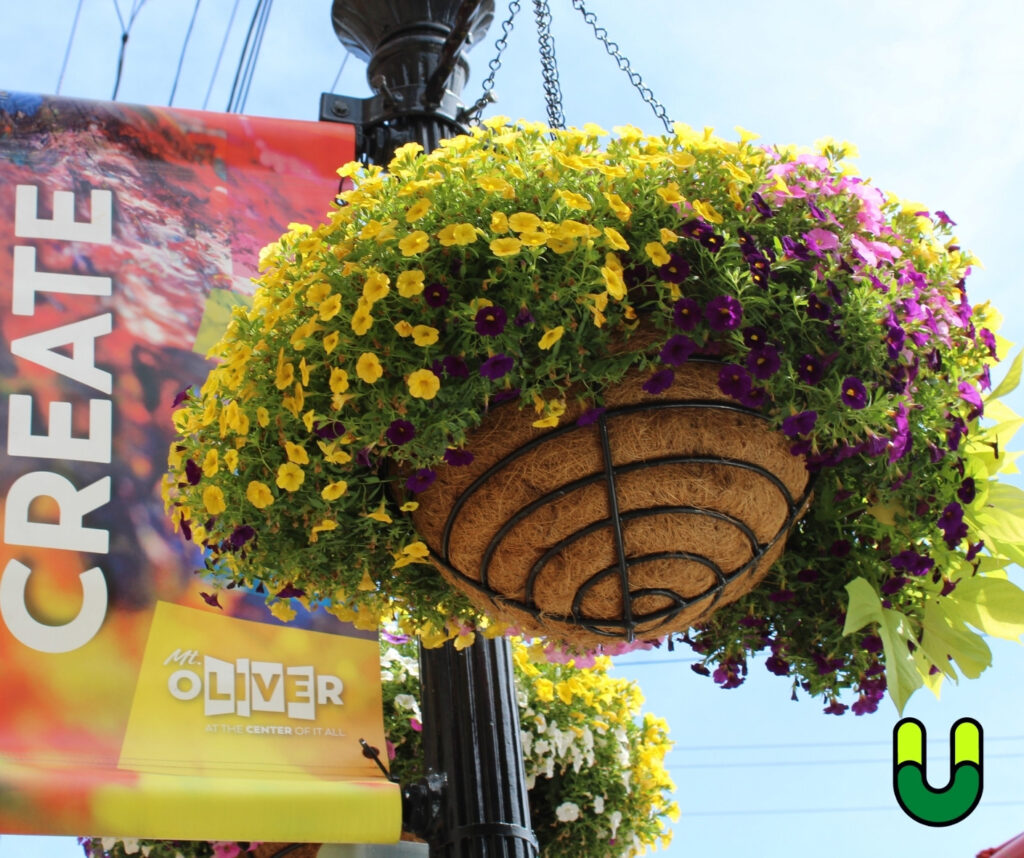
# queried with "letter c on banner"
point(960, 795)
point(52, 639)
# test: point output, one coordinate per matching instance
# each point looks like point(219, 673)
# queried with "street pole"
point(473, 802)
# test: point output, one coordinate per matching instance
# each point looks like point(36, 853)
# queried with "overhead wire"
point(67, 50)
point(220, 53)
point(125, 31)
point(181, 57)
point(250, 54)
point(337, 77)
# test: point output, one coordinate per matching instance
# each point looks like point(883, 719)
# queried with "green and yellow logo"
point(916, 796)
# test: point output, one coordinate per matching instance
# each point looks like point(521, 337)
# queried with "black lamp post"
point(473, 802)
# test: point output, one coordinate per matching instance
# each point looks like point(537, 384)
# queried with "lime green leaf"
point(1010, 380)
point(1001, 522)
point(999, 411)
point(944, 635)
point(886, 513)
point(864, 607)
point(1003, 431)
point(932, 681)
point(901, 674)
point(992, 563)
point(993, 605)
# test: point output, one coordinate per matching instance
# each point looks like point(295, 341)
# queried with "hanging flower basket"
point(427, 377)
point(637, 519)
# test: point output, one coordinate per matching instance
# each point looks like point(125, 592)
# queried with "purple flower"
point(956, 431)
point(734, 381)
point(192, 472)
point(506, 395)
point(782, 596)
point(967, 491)
point(686, 314)
point(676, 270)
point(894, 585)
point(694, 228)
point(776, 665)
point(755, 336)
point(660, 381)
point(948, 586)
point(421, 480)
point(435, 295)
point(241, 535)
point(723, 313)
point(864, 706)
point(794, 248)
point(400, 432)
point(677, 350)
point(989, 339)
point(761, 206)
point(818, 309)
point(952, 524)
point(835, 708)
point(760, 270)
point(458, 458)
point(363, 458)
point(840, 548)
point(901, 437)
point(754, 398)
point(808, 576)
point(810, 369)
point(181, 397)
point(490, 321)
point(970, 395)
point(872, 643)
point(591, 416)
point(289, 591)
point(854, 395)
point(763, 362)
point(523, 318)
point(799, 424)
point(945, 219)
point(329, 431)
point(912, 563)
point(455, 367)
point(496, 367)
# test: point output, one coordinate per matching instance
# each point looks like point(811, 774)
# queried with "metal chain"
point(548, 64)
point(472, 114)
point(613, 50)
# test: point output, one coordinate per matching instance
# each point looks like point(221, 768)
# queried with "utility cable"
point(125, 30)
point(181, 58)
point(247, 60)
point(67, 50)
point(220, 53)
point(256, 52)
point(337, 77)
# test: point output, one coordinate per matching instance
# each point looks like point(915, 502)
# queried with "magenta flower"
point(969, 394)
point(853, 394)
point(659, 381)
point(496, 367)
point(724, 313)
point(400, 432)
point(490, 321)
point(819, 241)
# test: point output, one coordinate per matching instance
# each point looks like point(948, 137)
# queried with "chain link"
point(613, 50)
point(473, 113)
point(548, 64)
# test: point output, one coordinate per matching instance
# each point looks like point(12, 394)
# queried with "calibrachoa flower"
point(379, 340)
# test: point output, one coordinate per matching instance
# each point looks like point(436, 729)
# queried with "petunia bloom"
point(421, 480)
point(496, 367)
point(659, 381)
point(723, 313)
point(686, 314)
point(853, 393)
point(400, 432)
point(799, 424)
point(490, 321)
point(677, 350)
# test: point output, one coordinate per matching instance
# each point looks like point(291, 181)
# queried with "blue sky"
point(929, 92)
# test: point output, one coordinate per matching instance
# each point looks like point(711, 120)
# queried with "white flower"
point(567, 812)
point(131, 846)
point(409, 703)
point(615, 819)
point(108, 843)
point(599, 804)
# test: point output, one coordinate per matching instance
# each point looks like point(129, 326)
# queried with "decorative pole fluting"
point(473, 803)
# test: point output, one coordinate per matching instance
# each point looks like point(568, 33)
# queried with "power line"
point(781, 763)
point(337, 77)
point(220, 53)
point(781, 745)
point(67, 51)
point(808, 810)
point(125, 30)
point(250, 53)
point(184, 47)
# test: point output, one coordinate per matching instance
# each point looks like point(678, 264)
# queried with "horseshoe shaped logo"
point(919, 800)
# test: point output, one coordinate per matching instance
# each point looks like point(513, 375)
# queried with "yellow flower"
point(303, 373)
point(457, 234)
point(296, 453)
point(499, 222)
point(308, 419)
point(414, 552)
point(331, 342)
point(423, 384)
point(379, 515)
point(573, 200)
point(668, 237)
point(324, 526)
point(614, 283)
point(333, 491)
point(213, 500)
point(737, 173)
point(497, 184)
point(417, 210)
point(231, 459)
point(424, 335)
point(211, 464)
point(657, 253)
point(410, 283)
point(375, 287)
point(670, 194)
point(615, 238)
point(290, 476)
point(362, 321)
point(506, 246)
point(262, 416)
point(368, 367)
point(524, 222)
point(551, 336)
point(707, 211)
point(618, 207)
point(339, 380)
point(330, 308)
point(285, 372)
point(533, 239)
point(545, 689)
point(414, 243)
point(366, 585)
point(283, 610)
point(410, 506)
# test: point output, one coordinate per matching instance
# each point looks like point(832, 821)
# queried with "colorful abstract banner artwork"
point(132, 701)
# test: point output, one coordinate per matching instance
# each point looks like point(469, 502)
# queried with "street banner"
point(135, 699)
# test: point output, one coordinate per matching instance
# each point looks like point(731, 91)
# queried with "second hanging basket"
point(632, 521)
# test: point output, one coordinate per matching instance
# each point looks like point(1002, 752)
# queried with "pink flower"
point(226, 849)
point(820, 240)
point(416, 725)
